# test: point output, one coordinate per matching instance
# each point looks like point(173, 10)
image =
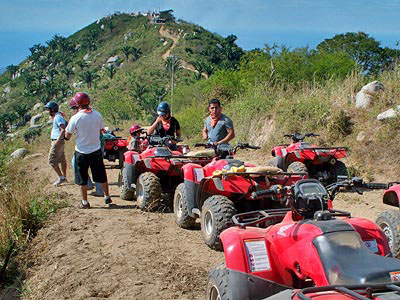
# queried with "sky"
point(294, 23)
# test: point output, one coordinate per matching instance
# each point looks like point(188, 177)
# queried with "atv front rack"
point(361, 292)
point(256, 174)
point(254, 218)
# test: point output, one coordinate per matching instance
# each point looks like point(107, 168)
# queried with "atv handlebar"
point(274, 190)
point(298, 137)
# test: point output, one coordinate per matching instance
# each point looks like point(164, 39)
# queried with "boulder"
point(363, 100)
point(373, 87)
point(113, 59)
point(365, 96)
point(78, 46)
point(98, 21)
point(10, 135)
point(37, 106)
point(86, 57)
point(35, 127)
point(7, 90)
point(361, 136)
point(102, 27)
point(390, 113)
point(19, 153)
point(35, 119)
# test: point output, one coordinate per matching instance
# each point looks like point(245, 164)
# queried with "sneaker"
point(108, 201)
point(59, 181)
point(83, 206)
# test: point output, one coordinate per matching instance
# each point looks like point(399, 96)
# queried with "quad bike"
point(321, 163)
point(155, 171)
point(389, 220)
point(217, 191)
point(307, 245)
point(114, 148)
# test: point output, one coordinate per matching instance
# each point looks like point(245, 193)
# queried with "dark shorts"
point(93, 160)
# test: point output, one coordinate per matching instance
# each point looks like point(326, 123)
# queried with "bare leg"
point(57, 169)
point(84, 190)
point(64, 168)
point(104, 186)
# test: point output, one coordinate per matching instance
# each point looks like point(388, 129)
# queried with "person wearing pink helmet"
point(135, 141)
point(88, 124)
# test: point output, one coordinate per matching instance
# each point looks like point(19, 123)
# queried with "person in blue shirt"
point(56, 154)
point(218, 128)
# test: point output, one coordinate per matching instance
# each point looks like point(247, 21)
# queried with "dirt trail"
point(123, 253)
point(175, 38)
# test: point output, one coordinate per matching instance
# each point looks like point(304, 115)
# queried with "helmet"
point(163, 109)
point(72, 103)
point(82, 99)
point(52, 106)
point(134, 128)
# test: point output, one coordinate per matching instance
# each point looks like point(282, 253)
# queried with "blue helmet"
point(163, 108)
point(52, 106)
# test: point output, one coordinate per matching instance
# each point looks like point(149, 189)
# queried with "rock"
point(363, 100)
point(361, 136)
point(102, 27)
point(77, 85)
point(33, 156)
point(7, 90)
point(19, 153)
point(113, 59)
point(37, 106)
point(78, 46)
point(98, 21)
point(365, 96)
point(165, 43)
point(34, 127)
point(10, 135)
point(373, 87)
point(35, 119)
point(391, 113)
point(86, 57)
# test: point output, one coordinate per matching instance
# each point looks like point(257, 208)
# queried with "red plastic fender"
point(188, 172)
point(277, 151)
point(128, 157)
point(392, 196)
point(371, 235)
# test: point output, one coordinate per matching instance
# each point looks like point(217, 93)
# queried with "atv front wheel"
point(148, 190)
point(127, 193)
point(216, 215)
point(297, 167)
point(389, 223)
point(217, 285)
point(182, 217)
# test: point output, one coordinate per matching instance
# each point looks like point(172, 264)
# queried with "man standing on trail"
point(87, 124)
point(56, 153)
point(218, 128)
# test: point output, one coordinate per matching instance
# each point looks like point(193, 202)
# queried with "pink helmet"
point(82, 99)
point(134, 128)
point(72, 103)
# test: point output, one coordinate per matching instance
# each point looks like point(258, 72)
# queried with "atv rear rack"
point(255, 174)
point(253, 218)
point(354, 291)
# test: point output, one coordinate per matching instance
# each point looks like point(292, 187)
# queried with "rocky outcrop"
point(367, 94)
point(19, 153)
point(35, 119)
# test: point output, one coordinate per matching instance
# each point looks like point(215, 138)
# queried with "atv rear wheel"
point(217, 285)
point(389, 223)
point(216, 215)
point(297, 167)
point(127, 193)
point(340, 170)
point(182, 217)
point(148, 190)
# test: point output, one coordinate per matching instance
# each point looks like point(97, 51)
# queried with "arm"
point(229, 136)
point(62, 133)
point(153, 127)
point(205, 133)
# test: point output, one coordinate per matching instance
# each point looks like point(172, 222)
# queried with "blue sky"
point(295, 23)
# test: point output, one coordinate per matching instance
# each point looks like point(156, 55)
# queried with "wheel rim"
point(388, 233)
point(139, 191)
point(208, 222)
point(214, 294)
point(178, 205)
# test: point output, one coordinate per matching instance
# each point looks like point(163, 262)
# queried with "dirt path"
point(123, 253)
point(175, 39)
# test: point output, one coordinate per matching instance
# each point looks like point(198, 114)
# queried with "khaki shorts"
point(56, 153)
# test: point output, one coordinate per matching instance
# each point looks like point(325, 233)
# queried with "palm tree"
point(110, 70)
point(139, 92)
point(111, 25)
point(127, 50)
point(136, 53)
point(208, 69)
point(12, 69)
point(172, 65)
point(52, 73)
point(88, 77)
point(67, 71)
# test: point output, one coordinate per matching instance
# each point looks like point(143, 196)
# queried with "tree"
point(110, 70)
point(88, 77)
point(12, 69)
point(167, 16)
point(136, 53)
point(67, 71)
point(139, 91)
point(111, 25)
point(362, 48)
point(127, 51)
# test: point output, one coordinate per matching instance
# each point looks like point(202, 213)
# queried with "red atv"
point(156, 170)
point(389, 220)
point(217, 191)
point(308, 245)
point(115, 147)
point(321, 163)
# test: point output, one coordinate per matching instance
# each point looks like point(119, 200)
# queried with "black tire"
point(297, 167)
point(217, 284)
point(127, 193)
point(182, 217)
point(340, 170)
point(121, 158)
point(148, 191)
point(389, 222)
point(216, 215)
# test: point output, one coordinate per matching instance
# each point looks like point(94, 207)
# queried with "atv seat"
point(347, 260)
point(204, 152)
point(304, 145)
point(263, 169)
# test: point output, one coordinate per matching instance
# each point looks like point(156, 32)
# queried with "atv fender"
point(130, 173)
point(131, 157)
point(191, 181)
point(392, 196)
